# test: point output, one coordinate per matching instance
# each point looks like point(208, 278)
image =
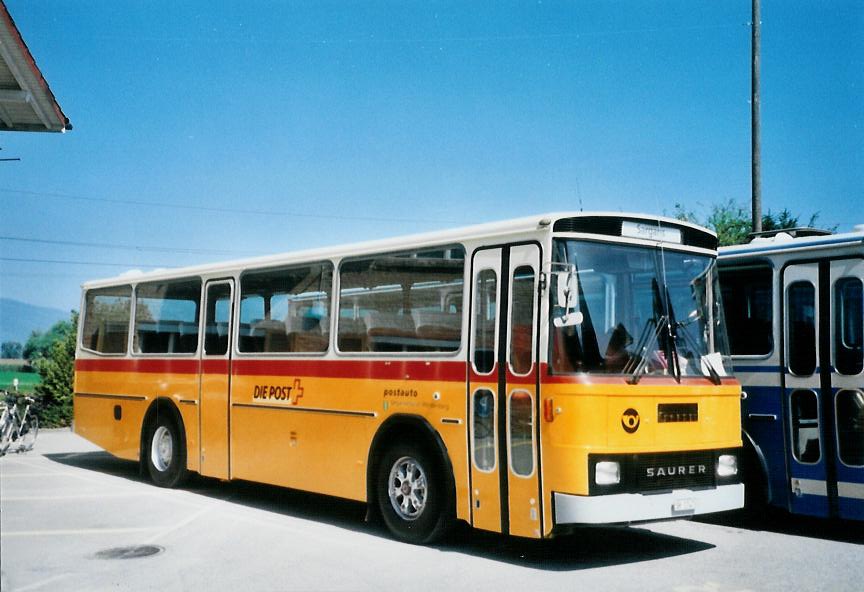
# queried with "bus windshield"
point(639, 311)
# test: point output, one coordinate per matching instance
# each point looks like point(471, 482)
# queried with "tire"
point(412, 495)
point(164, 452)
point(29, 433)
point(5, 437)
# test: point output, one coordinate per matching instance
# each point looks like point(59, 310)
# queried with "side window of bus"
point(286, 310)
point(166, 317)
point(106, 320)
point(848, 326)
point(402, 302)
point(748, 307)
point(801, 327)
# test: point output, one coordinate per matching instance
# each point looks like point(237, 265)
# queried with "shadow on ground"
point(780, 522)
point(586, 548)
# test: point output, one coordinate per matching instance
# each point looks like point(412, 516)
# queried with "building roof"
point(26, 102)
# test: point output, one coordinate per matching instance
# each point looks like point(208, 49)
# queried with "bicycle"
point(18, 427)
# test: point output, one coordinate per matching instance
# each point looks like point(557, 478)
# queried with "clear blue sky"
point(343, 121)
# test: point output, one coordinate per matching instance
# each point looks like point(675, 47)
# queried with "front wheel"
point(165, 456)
point(28, 434)
point(412, 496)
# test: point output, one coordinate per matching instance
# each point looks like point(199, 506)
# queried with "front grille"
point(662, 471)
point(674, 470)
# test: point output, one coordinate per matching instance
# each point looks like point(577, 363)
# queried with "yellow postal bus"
point(523, 376)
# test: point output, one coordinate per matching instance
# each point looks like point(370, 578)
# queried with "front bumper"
point(635, 507)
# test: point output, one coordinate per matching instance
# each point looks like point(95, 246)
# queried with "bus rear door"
point(215, 373)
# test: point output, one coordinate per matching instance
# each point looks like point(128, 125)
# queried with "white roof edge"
point(790, 244)
point(437, 237)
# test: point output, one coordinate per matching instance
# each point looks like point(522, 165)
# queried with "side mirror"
point(567, 298)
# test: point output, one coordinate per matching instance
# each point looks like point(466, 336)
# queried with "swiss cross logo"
point(296, 392)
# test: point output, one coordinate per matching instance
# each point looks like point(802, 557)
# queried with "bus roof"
point(539, 222)
point(783, 243)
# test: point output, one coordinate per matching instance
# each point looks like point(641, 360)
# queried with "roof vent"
point(787, 233)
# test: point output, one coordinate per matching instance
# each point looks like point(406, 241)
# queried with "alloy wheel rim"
point(407, 488)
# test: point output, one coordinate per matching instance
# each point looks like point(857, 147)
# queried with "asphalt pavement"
point(72, 517)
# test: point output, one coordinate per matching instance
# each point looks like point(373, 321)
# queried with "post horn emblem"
point(630, 420)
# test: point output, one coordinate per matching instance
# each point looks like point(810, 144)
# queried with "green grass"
point(27, 381)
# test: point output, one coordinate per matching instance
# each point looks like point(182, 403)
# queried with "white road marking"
point(38, 585)
point(76, 532)
point(79, 496)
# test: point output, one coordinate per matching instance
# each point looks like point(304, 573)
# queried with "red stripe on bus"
point(370, 369)
point(214, 366)
point(148, 365)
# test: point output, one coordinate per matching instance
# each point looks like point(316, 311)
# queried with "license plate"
point(684, 505)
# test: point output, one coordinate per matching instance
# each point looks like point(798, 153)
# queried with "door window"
point(485, 320)
point(805, 426)
point(521, 414)
point(522, 319)
point(850, 427)
point(801, 328)
point(217, 323)
point(848, 326)
point(484, 429)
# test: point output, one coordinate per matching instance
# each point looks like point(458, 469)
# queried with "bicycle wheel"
point(29, 431)
point(6, 429)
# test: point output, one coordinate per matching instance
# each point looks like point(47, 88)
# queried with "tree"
point(57, 369)
point(11, 350)
point(731, 221)
point(39, 343)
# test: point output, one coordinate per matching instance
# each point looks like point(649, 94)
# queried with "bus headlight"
point(727, 465)
point(607, 473)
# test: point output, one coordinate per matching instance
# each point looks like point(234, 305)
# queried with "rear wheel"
point(165, 456)
point(28, 434)
point(412, 496)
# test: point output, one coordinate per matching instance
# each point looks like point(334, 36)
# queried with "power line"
point(375, 40)
point(69, 262)
point(158, 204)
point(127, 247)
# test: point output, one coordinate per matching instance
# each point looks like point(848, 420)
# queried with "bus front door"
point(215, 380)
point(824, 391)
point(503, 391)
point(847, 382)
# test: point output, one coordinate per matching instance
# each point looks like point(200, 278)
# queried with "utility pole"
point(755, 140)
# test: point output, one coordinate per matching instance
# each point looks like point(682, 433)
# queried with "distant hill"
point(19, 319)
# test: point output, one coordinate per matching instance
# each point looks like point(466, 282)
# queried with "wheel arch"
point(756, 470)
point(158, 406)
point(420, 431)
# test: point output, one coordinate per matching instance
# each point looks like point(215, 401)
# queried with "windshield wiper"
point(703, 359)
point(672, 332)
point(648, 338)
point(643, 349)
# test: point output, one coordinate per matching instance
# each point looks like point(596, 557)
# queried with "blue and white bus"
point(794, 308)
